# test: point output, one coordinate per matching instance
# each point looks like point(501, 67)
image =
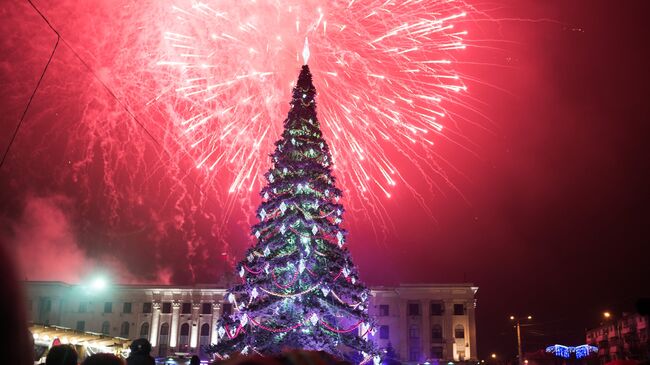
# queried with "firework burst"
point(384, 71)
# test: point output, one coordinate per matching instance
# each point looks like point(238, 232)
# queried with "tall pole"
point(517, 321)
point(520, 357)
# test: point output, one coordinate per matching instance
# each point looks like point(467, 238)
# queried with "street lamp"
point(518, 326)
point(494, 356)
point(99, 283)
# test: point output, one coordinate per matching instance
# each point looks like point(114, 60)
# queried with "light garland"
point(290, 295)
point(254, 272)
point(343, 302)
point(239, 329)
point(293, 281)
point(354, 327)
point(275, 330)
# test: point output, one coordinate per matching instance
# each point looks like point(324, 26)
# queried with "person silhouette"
point(139, 355)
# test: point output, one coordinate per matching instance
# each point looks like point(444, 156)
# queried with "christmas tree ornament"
point(313, 319)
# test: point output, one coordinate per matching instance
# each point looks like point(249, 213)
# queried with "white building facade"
point(434, 322)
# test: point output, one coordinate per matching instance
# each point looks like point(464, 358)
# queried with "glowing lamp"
point(98, 283)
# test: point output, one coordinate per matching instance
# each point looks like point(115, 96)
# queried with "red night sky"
point(548, 215)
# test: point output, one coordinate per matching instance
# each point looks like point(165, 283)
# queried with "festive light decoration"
point(288, 287)
point(566, 351)
point(584, 350)
point(559, 350)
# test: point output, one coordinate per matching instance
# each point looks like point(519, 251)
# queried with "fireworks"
point(164, 112)
point(384, 71)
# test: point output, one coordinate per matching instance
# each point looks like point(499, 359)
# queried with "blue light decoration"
point(565, 351)
point(559, 351)
point(585, 350)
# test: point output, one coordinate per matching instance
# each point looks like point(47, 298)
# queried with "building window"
point(81, 326)
point(108, 307)
point(437, 309)
point(414, 354)
point(106, 327)
point(414, 309)
point(459, 309)
point(185, 335)
point(436, 352)
point(459, 331)
point(414, 332)
point(124, 330)
point(146, 307)
point(163, 339)
point(226, 309)
point(383, 310)
point(205, 329)
point(83, 307)
point(167, 307)
point(204, 339)
point(126, 308)
point(436, 333)
point(46, 304)
point(206, 308)
point(144, 330)
point(185, 329)
point(164, 334)
point(384, 332)
point(186, 308)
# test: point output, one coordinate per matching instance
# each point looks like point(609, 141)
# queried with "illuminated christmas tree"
point(300, 289)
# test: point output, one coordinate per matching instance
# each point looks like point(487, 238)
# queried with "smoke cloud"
point(45, 244)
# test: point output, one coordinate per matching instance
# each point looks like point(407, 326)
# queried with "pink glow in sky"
point(539, 171)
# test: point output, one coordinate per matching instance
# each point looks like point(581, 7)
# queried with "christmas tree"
point(300, 289)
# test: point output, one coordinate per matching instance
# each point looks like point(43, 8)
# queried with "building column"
point(403, 334)
point(194, 334)
point(471, 331)
point(155, 319)
point(216, 314)
point(173, 336)
point(448, 330)
point(426, 328)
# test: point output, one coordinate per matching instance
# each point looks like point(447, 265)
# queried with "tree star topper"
point(305, 51)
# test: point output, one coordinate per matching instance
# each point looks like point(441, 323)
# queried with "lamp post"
point(518, 326)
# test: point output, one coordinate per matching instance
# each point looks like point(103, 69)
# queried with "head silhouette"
point(103, 359)
point(61, 355)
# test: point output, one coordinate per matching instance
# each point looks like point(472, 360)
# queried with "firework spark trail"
point(384, 71)
point(211, 81)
